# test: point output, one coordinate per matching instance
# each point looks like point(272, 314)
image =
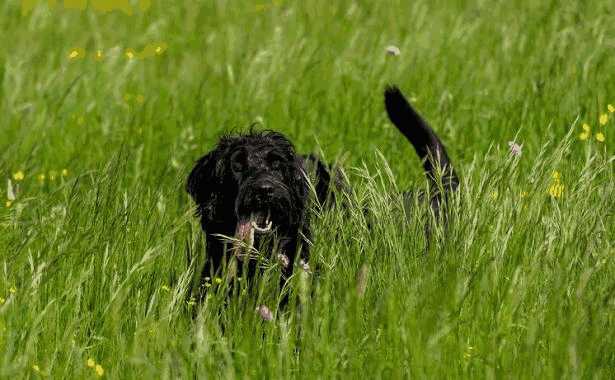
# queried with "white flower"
point(304, 265)
point(393, 50)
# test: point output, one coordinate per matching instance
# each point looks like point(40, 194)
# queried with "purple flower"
point(515, 149)
point(265, 313)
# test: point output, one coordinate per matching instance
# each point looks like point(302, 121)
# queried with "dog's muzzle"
point(260, 204)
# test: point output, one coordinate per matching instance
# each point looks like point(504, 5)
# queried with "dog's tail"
point(426, 143)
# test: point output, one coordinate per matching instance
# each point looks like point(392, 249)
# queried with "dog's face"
point(251, 184)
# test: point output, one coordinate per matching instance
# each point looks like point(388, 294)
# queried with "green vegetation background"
point(97, 238)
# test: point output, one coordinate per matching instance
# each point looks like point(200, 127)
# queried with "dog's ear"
point(320, 171)
point(204, 180)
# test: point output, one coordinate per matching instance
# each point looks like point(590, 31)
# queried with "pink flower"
point(283, 260)
point(265, 313)
point(515, 149)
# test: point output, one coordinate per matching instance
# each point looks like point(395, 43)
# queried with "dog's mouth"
point(257, 223)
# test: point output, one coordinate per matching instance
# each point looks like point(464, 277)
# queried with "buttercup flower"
point(8, 204)
point(600, 137)
point(586, 127)
point(604, 118)
point(76, 53)
point(611, 108)
point(583, 136)
point(18, 176)
point(99, 370)
point(13, 290)
point(90, 363)
point(36, 368)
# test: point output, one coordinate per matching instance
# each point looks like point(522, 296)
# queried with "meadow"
point(102, 115)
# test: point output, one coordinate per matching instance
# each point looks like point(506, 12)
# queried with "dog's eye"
point(275, 161)
point(276, 164)
point(237, 161)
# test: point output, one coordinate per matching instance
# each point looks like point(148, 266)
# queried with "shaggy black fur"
point(256, 178)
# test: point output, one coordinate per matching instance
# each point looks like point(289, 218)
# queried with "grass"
point(95, 261)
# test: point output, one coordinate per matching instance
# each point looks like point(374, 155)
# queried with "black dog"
point(255, 187)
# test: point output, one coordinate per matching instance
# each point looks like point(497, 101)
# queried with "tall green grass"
point(99, 245)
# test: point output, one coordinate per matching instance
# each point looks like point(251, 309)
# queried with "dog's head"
point(254, 183)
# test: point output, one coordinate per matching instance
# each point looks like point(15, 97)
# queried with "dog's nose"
point(265, 188)
point(264, 191)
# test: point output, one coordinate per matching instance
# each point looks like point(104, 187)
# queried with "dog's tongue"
point(244, 233)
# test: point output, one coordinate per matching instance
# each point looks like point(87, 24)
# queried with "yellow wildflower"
point(583, 136)
point(218, 280)
point(556, 190)
point(41, 178)
point(99, 370)
point(611, 108)
point(36, 368)
point(2, 301)
point(13, 290)
point(76, 53)
point(523, 194)
point(130, 54)
point(64, 172)
point(18, 176)
point(600, 137)
point(161, 48)
point(556, 176)
point(90, 363)
point(604, 118)
point(8, 204)
point(586, 127)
